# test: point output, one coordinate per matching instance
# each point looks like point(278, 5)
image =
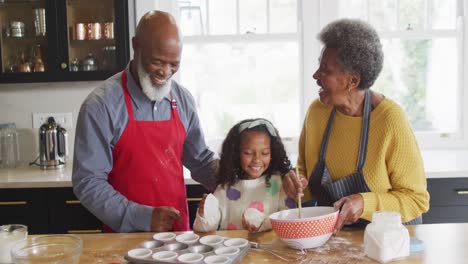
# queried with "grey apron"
point(321, 185)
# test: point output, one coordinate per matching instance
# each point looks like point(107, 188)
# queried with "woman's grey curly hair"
point(359, 48)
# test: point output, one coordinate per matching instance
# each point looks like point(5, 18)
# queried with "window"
point(255, 58)
point(423, 65)
point(241, 60)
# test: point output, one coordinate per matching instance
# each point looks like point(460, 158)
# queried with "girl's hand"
point(294, 185)
point(201, 205)
point(249, 227)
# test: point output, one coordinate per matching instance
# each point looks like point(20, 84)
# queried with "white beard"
point(153, 92)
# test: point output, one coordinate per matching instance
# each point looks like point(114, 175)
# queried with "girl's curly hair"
point(230, 170)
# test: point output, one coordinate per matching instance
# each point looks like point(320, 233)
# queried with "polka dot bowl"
point(311, 231)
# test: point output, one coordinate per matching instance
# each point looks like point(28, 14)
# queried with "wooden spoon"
point(299, 198)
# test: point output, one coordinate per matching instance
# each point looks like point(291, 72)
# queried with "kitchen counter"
point(34, 177)
point(437, 163)
point(444, 243)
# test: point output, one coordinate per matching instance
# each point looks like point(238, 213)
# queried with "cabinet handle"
point(90, 231)
point(194, 199)
point(462, 192)
point(14, 203)
point(72, 202)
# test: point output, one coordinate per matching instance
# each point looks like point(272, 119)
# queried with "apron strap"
point(128, 100)
point(326, 135)
point(364, 131)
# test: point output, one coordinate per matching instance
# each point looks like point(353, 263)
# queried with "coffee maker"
point(53, 145)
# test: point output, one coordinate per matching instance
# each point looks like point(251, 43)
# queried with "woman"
point(356, 146)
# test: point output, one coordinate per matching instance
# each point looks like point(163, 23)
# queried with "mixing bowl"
point(53, 249)
point(311, 231)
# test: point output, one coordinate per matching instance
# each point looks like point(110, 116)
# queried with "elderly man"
point(133, 135)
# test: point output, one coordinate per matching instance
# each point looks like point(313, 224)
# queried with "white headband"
point(258, 122)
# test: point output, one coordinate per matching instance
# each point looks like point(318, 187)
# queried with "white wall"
point(19, 101)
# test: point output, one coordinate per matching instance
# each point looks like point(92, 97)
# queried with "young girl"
point(252, 163)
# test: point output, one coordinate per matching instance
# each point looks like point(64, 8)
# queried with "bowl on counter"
point(64, 249)
point(311, 231)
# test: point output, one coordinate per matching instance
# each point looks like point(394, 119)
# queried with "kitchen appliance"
point(53, 145)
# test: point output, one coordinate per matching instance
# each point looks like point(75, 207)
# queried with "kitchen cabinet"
point(24, 206)
point(194, 195)
point(67, 215)
point(62, 40)
point(46, 210)
point(58, 211)
point(449, 201)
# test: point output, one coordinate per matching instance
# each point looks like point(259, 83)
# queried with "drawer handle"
point(194, 199)
point(90, 231)
point(462, 192)
point(14, 203)
point(72, 202)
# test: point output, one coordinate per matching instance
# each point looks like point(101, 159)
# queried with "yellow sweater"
point(393, 169)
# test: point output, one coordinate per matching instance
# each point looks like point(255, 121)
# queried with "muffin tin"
point(168, 247)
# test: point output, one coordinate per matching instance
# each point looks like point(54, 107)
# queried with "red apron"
point(147, 162)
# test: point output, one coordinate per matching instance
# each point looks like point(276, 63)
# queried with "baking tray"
point(185, 243)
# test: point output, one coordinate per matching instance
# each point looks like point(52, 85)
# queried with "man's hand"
point(163, 218)
point(352, 207)
point(201, 205)
point(294, 184)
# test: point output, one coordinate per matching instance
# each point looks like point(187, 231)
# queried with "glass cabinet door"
point(91, 41)
point(23, 38)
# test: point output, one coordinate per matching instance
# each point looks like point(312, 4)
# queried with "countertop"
point(437, 164)
point(443, 243)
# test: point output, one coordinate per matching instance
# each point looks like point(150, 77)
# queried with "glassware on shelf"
point(39, 21)
point(75, 65)
point(23, 64)
point(38, 62)
point(94, 31)
point(79, 31)
point(109, 30)
point(90, 63)
point(109, 58)
point(17, 29)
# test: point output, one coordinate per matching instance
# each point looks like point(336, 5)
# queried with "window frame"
point(311, 17)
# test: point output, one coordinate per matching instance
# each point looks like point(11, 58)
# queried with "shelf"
point(87, 42)
point(41, 39)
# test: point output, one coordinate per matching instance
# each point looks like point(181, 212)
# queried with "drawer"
point(446, 214)
point(67, 215)
point(24, 206)
point(448, 191)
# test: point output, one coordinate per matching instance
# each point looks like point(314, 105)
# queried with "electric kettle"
point(53, 145)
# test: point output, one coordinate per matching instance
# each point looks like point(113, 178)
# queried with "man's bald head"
point(156, 30)
point(158, 48)
point(157, 23)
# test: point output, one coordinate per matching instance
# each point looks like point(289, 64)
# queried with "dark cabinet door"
point(67, 215)
point(62, 40)
point(448, 202)
point(194, 195)
point(24, 206)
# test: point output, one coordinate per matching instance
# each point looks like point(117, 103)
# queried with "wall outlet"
point(62, 119)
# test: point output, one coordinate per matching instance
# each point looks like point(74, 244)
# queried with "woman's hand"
point(294, 185)
point(351, 208)
point(201, 205)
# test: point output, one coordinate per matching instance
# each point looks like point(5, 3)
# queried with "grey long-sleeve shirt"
point(101, 121)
